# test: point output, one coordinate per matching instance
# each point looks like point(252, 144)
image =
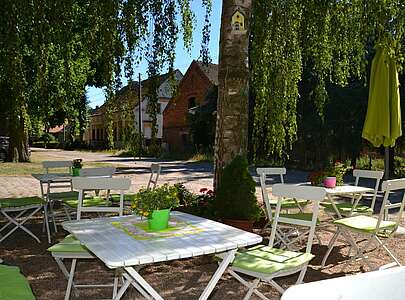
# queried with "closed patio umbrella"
point(383, 120)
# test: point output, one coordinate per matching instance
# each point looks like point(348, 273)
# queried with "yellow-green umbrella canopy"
point(383, 120)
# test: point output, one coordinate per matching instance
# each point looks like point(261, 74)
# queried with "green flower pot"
point(76, 171)
point(159, 219)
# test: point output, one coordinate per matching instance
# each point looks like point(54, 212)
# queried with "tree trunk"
point(233, 88)
point(18, 148)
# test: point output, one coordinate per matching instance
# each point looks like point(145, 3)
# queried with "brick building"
point(96, 135)
point(193, 91)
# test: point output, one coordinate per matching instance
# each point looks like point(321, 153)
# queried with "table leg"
point(330, 199)
point(142, 282)
point(228, 258)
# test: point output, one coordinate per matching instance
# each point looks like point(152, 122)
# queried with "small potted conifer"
point(235, 202)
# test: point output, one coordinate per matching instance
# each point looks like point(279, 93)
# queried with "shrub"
point(236, 195)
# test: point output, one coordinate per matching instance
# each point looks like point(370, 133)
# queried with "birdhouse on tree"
point(238, 21)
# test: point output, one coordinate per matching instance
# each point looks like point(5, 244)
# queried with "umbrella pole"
point(386, 163)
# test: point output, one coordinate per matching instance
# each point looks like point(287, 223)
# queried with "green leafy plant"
point(77, 163)
point(338, 170)
point(236, 196)
point(162, 197)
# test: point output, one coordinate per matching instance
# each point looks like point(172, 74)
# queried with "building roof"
point(210, 70)
point(56, 129)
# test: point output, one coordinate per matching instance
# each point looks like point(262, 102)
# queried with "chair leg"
point(330, 247)
point(252, 287)
point(65, 272)
point(47, 223)
point(70, 281)
point(302, 274)
point(388, 251)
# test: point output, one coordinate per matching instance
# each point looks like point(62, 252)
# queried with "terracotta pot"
point(246, 225)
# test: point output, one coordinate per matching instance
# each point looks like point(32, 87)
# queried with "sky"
point(96, 96)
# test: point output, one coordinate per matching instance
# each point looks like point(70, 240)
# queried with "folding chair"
point(70, 247)
point(154, 175)
point(266, 263)
point(376, 230)
point(283, 233)
point(58, 188)
point(18, 211)
point(70, 203)
point(287, 204)
point(347, 209)
point(153, 179)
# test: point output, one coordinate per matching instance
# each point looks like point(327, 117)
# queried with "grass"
point(35, 166)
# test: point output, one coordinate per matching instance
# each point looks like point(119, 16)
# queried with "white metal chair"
point(57, 189)
point(18, 211)
point(266, 263)
point(154, 175)
point(384, 284)
point(377, 230)
point(353, 207)
point(71, 203)
point(285, 232)
point(70, 247)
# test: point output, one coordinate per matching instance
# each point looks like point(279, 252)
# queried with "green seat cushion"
point(13, 285)
point(68, 244)
point(70, 195)
point(289, 203)
point(345, 208)
point(300, 216)
point(364, 224)
point(127, 197)
point(267, 260)
point(20, 202)
point(91, 201)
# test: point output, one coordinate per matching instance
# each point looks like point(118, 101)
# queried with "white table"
point(356, 192)
point(378, 285)
point(119, 250)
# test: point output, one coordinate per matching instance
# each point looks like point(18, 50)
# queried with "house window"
point(191, 102)
point(93, 134)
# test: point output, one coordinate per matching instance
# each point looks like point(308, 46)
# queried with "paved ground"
point(180, 279)
point(195, 175)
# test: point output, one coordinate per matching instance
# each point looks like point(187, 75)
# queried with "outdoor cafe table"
point(113, 242)
point(356, 192)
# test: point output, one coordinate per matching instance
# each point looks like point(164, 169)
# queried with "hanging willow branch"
point(331, 39)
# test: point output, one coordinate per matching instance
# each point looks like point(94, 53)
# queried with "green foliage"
point(331, 40)
point(236, 195)
point(50, 51)
point(338, 170)
point(162, 197)
point(196, 204)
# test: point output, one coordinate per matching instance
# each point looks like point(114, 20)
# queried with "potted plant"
point(235, 199)
point(331, 176)
point(77, 165)
point(156, 205)
point(334, 174)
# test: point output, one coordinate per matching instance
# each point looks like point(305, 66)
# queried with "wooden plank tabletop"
point(118, 249)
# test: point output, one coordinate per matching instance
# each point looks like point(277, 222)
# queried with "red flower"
point(203, 190)
point(210, 193)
